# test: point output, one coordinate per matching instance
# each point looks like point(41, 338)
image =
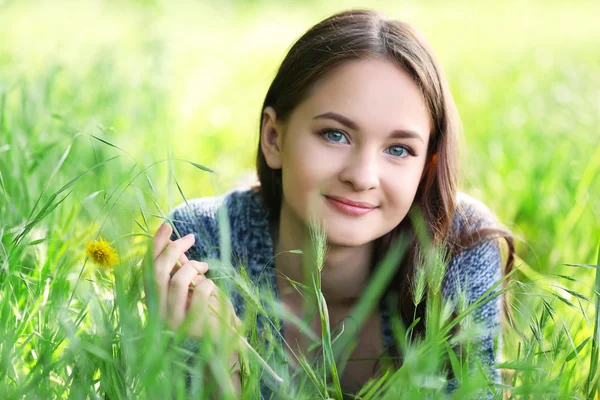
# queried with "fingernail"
point(190, 236)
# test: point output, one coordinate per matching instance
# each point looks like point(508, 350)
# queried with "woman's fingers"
point(165, 263)
point(202, 293)
point(200, 266)
point(161, 239)
point(177, 285)
point(200, 308)
point(211, 308)
point(224, 303)
point(183, 260)
point(178, 292)
point(204, 303)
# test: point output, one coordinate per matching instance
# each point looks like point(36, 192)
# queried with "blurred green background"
point(186, 80)
point(82, 82)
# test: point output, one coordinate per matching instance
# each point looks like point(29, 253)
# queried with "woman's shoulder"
point(476, 257)
point(236, 210)
point(474, 273)
point(235, 202)
point(471, 215)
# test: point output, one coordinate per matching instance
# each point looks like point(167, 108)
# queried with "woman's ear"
point(271, 138)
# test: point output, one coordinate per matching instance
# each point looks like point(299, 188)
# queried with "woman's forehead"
point(371, 93)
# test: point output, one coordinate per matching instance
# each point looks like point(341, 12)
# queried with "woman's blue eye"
point(398, 151)
point(335, 136)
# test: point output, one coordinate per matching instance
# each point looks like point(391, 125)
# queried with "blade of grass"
point(589, 388)
point(575, 352)
point(52, 174)
point(326, 341)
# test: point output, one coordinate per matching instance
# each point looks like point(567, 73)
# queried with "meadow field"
point(114, 112)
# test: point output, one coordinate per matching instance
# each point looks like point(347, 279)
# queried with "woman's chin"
point(342, 231)
point(346, 238)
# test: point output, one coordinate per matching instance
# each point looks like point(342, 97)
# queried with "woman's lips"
point(356, 209)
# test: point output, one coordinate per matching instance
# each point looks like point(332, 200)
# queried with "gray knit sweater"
point(472, 271)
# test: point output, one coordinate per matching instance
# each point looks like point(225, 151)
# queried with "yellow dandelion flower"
point(101, 253)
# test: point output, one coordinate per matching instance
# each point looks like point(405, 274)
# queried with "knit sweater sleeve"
point(199, 217)
point(470, 274)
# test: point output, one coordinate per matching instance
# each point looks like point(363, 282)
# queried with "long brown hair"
point(365, 34)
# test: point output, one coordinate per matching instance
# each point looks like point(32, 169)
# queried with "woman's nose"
point(361, 172)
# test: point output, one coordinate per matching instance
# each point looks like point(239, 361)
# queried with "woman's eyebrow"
point(396, 134)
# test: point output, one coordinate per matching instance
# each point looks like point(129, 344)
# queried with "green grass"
point(109, 114)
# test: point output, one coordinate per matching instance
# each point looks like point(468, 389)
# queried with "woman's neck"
point(345, 272)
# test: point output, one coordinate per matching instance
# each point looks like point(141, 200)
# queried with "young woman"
point(358, 129)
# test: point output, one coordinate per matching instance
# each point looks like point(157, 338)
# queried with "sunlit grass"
point(89, 109)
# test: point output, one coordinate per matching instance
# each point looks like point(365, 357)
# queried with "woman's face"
point(360, 137)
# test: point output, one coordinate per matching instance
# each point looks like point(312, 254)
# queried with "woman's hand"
point(204, 306)
point(184, 292)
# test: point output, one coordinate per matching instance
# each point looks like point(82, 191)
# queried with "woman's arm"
point(195, 218)
point(470, 274)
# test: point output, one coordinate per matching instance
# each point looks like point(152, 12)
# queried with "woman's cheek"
point(398, 183)
point(310, 161)
point(305, 177)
